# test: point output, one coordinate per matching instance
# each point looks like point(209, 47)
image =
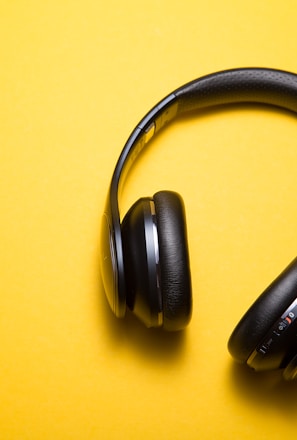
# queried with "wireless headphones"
point(144, 258)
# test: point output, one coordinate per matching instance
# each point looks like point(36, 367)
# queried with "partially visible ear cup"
point(261, 316)
point(174, 260)
point(139, 237)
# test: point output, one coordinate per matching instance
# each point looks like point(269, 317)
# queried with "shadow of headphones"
point(144, 259)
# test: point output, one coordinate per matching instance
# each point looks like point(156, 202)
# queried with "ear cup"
point(261, 316)
point(141, 255)
point(174, 260)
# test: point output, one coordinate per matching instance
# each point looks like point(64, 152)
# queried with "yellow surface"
point(75, 77)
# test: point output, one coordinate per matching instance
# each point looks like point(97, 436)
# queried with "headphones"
point(144, 258)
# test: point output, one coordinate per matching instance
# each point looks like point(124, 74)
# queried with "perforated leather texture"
point(266, 86)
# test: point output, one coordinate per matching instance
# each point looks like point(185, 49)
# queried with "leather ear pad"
point(261, 316)
point(174, 260)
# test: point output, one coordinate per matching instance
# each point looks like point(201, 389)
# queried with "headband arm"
point(250, 85)
point(154, 121)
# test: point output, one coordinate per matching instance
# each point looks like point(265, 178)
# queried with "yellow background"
point(75, 78)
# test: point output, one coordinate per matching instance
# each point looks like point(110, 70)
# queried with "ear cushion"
point(261, 316)
point(174, 260)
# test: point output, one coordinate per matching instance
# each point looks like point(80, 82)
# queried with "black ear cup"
point(174, 260)
point(141, 261)
point(258, 322)
point(156, 261)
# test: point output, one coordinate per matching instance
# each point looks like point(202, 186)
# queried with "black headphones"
point(144, 258)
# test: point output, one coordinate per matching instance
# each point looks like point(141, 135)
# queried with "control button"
point(282, 326)
point(291, 315)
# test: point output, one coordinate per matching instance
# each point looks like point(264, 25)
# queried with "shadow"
point(264, 389)
point(154, 345)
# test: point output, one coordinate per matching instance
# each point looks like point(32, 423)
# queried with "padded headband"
point(252, 85)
